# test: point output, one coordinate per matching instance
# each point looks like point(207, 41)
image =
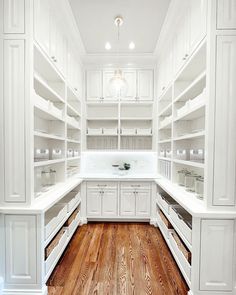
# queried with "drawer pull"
point(135, 185)
point(102, 185)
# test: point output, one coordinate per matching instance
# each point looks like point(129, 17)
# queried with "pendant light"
point(118, 86)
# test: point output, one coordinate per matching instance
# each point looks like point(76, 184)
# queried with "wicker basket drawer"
point(165, 220)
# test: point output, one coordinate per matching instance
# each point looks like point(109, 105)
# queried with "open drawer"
point(72, 222)
point(180, 257)
point(163, 223)
point(166, 202)
point(54, 249)
point(183, 221)
point(53, 217)
point(70, 200)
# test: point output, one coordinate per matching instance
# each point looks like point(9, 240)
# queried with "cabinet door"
point(145, 85)
point(14, 16)
point(21, 249)
point(94, 85)
point(53, 36)
point(127, 203)
point(198, 10)
point(224, 192)
point(94, 202)
point(226, 14)
point(109, 203)
point(217, 242)
point(130, 77)
point(14, 120)
point(41, 23)
point(143, 203)
point(107, 75)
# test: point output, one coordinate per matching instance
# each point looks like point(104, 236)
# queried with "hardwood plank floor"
point(117, 259)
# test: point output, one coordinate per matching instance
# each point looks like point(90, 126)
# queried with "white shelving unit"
point(119, 125)
point(57, 120)
point(181, 117)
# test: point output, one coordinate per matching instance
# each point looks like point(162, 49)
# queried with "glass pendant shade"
point(118, 86)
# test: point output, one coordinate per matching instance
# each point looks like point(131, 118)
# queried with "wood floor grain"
point(117, 259)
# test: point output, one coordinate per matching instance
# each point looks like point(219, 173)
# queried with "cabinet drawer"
point(180, 258)
point(55, 252)
point(53, 217)
point(182, 247)
point(135, 185)
point(102, 185)
point(181, 225)
point(73, 222)
point(166, 202)
point(70, 200)
point(165, 220)
point(165, 231)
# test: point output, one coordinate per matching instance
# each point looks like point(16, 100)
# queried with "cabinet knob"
point(186, 55)
point(75, 89)
point(163, 88)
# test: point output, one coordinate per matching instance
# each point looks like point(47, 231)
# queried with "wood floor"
point(117, 259)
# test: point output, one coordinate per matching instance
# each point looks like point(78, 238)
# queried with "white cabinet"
point(14, 16)
point(131, 78)
point(102, 200)
point(127, 203)
point(198, 18)
point(226, 14)
point(14, 120)
point(145, 85)
point(21, 249)
point(94, 205)
point(94, 85)
point(217, 249)
point(135, 199)
point(140, 84)
point(165, 71)
point(107, 75)
point(74, 72)
point(224, 192)
point(42, 23)
point(181, 42)
point(109, 203)
point(143, 203)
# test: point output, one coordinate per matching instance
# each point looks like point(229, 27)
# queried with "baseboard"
point(43, 291)
point(153, 222)
point(83, 220)
point(121, 219)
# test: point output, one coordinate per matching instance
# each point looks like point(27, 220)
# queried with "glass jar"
point(190, 181)
point(199, 187)
point(181, 177)
point(52, 177)
point(45, 177)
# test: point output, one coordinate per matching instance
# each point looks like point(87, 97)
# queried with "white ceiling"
point(142, 24)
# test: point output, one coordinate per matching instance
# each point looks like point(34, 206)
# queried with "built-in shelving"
point(57, 124)
point(119, 125)
point(181, 119)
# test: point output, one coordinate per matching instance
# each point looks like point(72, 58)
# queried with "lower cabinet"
point(102, 202)
point(104, 199)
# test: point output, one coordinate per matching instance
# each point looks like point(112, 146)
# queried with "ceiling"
point(143, 20)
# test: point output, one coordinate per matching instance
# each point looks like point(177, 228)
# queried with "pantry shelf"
point(190, 163)
point(48, 162)
point(49, 136)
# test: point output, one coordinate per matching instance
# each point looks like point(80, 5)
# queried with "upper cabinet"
point(198, 19)
point(226, 14)
point(14, 16)
point(145, 85)
point(140, 84)
point(42, 23)
point(189, 32)
point(94, 85)
point(74, 71)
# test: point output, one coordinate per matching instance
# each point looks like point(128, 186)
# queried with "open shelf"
point(49, 136)
point(190, 163)
point(48, 162)
point(193, 113)
point(190, 136)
